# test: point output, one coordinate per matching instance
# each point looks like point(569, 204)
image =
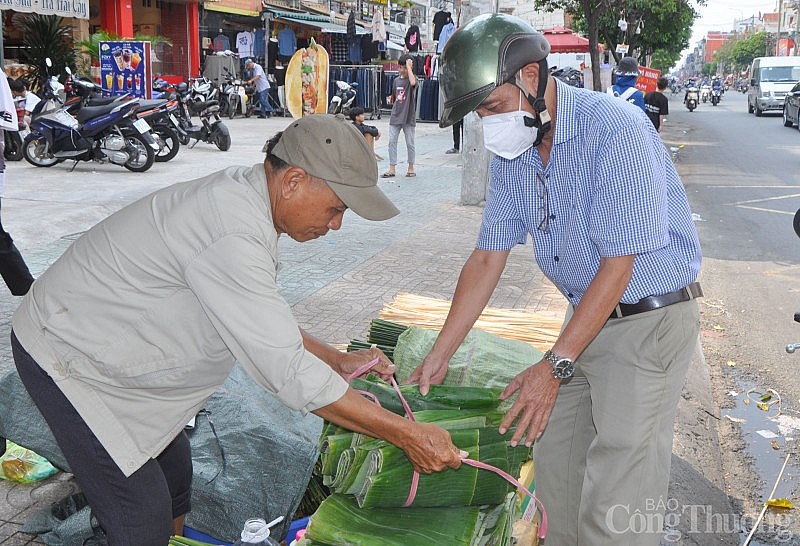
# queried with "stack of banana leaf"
point(370, 479)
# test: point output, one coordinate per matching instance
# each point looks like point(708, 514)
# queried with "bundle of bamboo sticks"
point(535, 329)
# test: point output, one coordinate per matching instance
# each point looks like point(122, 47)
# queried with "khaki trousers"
point(606, 451)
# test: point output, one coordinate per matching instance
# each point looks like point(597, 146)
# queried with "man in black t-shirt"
point(656, 104)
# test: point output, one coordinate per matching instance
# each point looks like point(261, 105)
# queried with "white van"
point(770, 79)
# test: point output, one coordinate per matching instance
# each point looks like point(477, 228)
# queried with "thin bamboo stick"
point(764, 510)
point(520, 324)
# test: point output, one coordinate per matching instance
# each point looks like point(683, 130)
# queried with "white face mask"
point(507, 134)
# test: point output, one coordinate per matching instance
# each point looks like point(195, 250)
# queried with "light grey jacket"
point(144, 315)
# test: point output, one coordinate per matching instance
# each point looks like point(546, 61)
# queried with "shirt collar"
point(565, 109)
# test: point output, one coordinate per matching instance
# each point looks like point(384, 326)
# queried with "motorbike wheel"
point(333, 108)
point(758, 111)
point(233, 105)
point(169, 142)
point(221, 137)
point(142, 155)
point(786, 121)
point(13, 148)
point(183, 137)
point(37, 152)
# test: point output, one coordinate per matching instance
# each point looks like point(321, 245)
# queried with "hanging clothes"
point(259, 43)
point(439, 21)
point(339, 48)
point(351, 26)
point(378, 27)
point(444, 35)
point(221, 43)
point(244, 44)
point(413, 38)
point(287, 42)
point(369, 48)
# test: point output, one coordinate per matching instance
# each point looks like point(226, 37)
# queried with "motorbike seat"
point(88, 112)
point(199, 106)
point(154, 103)
point(100, 101)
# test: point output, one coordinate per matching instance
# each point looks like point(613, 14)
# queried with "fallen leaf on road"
point(774, 444)
point(779, 503)
point(735, 419)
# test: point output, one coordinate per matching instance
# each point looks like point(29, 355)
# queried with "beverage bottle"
point(256, 532)
point(300, 534)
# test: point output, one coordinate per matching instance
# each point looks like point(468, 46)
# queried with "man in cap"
point(126, 336)
point(259, 79)
point(624, 87)
point(584, 175)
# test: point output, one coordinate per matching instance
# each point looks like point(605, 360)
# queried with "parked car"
point(770, 80)
point(791, 107)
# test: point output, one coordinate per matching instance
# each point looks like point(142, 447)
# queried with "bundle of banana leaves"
point(383, 334)
point(340, 522)
point(370, 479)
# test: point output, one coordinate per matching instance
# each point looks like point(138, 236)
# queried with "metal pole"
point(778, 40)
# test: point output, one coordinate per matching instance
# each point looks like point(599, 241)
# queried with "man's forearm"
point(330, 355)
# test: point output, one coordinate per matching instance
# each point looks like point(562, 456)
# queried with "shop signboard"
point(250, 8)
point(648, 79)
point(125, 68)
point(62, 8)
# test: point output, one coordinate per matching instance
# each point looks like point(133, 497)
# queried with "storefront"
point(177, 55)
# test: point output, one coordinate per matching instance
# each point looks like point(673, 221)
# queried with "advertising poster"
point(125, 68)
point(648, 79)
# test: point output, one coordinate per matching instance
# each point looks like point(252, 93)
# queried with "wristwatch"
point(563, 367)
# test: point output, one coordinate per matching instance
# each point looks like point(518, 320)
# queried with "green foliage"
point(46, 36)
point(744, 51)
point(709, 69)
point(664, 60)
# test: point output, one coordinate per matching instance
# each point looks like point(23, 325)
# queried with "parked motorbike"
point(203, 90)
point(97, 133)
point(692, 95)
point(84, 92)
point(344, 98)
point(716, 96)
point(211, 129)
point(236, 96)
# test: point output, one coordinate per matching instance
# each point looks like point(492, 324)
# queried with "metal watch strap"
point(554, 359)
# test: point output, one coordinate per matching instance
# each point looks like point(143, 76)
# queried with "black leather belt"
point(686, 293)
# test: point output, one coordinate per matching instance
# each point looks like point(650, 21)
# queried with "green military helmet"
point(484, 54)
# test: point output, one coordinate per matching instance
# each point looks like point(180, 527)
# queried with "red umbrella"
point(563, 40)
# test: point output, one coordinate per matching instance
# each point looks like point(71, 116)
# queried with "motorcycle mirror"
point(796, 222)
point(48, 62)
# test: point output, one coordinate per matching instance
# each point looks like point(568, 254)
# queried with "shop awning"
point(563, 40)
point(321, 25)
point(78, 9)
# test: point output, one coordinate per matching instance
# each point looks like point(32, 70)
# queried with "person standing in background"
point(656, 104)
point(259, 78)
point(404, 115)
point(458, 127)
point(13, 269)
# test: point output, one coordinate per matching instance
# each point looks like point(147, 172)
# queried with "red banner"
point(648, 79)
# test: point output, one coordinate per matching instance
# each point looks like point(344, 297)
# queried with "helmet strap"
point(542, 122)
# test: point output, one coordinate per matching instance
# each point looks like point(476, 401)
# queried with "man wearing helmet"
point(586, 178)
point(624, 87)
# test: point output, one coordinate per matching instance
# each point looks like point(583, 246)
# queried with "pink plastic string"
point(412, 493)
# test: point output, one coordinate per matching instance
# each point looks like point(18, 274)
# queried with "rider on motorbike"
point(716, 84)
point(691, 83)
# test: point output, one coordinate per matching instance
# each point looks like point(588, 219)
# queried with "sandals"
point(411, 174)
point(387, 175)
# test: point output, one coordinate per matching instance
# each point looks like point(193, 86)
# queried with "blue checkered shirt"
point(609, 189)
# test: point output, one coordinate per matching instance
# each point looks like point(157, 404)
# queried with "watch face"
point(563, 369)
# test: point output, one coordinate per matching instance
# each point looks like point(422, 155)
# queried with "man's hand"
point(350, 362)
point(431, 372)
point(430, 449)
point(537, 395)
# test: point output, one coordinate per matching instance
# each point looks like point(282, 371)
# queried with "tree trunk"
point(594, 48)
